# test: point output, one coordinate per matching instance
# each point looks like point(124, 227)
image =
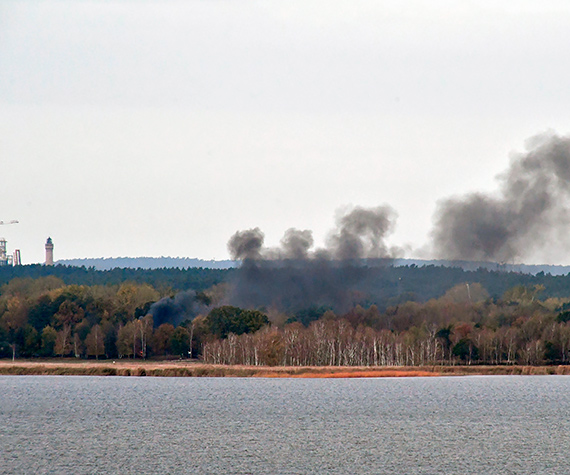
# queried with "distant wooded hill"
point(187, 263)
point(492, 266)
point(148, 263)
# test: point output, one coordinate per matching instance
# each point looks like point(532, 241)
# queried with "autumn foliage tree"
point(224, 320)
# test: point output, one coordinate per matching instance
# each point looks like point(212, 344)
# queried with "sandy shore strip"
point(186, 368)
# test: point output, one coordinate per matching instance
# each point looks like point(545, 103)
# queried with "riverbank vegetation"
point(186, 368)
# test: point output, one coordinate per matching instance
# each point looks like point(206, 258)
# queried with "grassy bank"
point(193, 369)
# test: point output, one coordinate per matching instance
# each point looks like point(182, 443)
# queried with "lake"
point(129, 425)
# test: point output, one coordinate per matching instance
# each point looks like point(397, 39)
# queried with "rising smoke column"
point(528, 211)
point(292, 276)
point(296, 244)
point(175, 310)
point(246, 245)
point(361, 234)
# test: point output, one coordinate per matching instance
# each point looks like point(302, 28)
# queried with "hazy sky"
point(150, 128)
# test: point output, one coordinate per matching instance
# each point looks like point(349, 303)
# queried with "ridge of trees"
point(197, 278)
point(80, 312)
point(46, 317)
point(385, 285)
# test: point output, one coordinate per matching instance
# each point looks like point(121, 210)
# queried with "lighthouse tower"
point(49, 252)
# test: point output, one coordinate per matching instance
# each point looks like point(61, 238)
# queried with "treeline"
point(163, 278)
point(46, 317)
point(378, 285)
point(463, 327)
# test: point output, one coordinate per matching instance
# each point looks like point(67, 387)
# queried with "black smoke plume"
point(246, 244)
point(293, 276)
point(183, 306)
point(361, 234)
point(529, 211)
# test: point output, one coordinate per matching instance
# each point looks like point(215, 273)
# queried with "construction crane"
point(5, 259)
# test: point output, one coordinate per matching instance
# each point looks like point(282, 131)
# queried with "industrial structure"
point(5, 259)
point(15, 258)
point(49, 252)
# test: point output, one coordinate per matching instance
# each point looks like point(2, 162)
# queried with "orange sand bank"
point(196, 369)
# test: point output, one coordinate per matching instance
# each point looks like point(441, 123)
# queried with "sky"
point(160, 128)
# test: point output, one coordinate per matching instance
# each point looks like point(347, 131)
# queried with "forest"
point(389, 316)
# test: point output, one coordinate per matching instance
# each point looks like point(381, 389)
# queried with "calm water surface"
point(453, 425)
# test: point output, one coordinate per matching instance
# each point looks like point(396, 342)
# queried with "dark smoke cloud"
point(529, 210)
point(361, 233)
point(175, 310)
point(246, 244)
point(295, 244)
point(293, 276)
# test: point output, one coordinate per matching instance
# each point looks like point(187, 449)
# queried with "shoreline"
point(197, 369)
